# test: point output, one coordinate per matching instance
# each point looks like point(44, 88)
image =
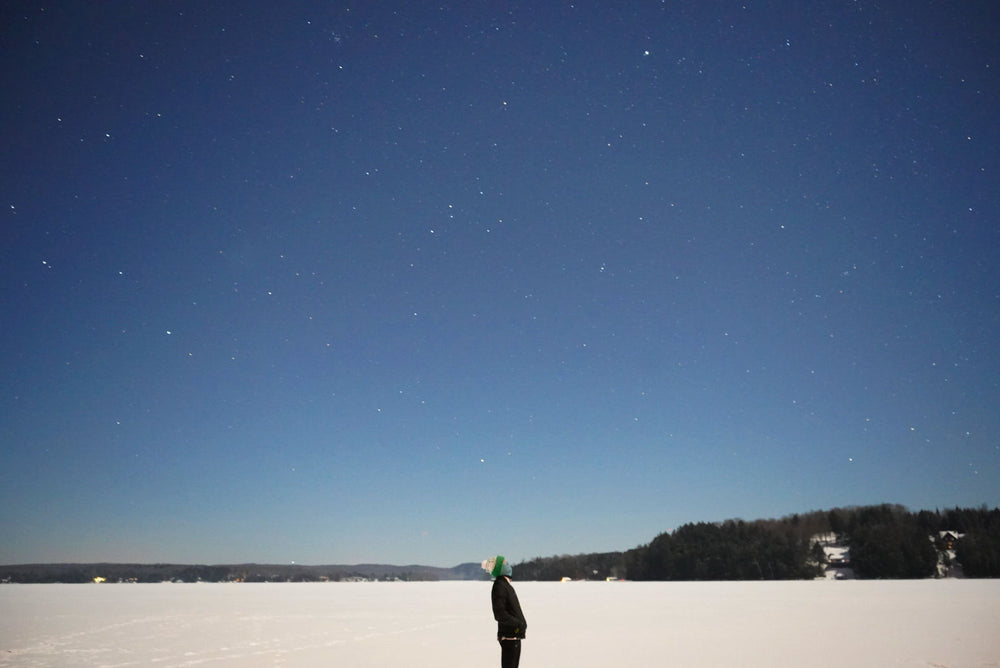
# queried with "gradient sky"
point(339, 283)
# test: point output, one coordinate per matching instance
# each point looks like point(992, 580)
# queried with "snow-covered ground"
point(449, 624)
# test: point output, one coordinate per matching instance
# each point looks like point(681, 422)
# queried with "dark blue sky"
point(340, 282)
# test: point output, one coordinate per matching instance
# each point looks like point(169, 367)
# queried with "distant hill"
point(112, 572)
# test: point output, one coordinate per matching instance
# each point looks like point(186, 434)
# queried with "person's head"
point(497, 566)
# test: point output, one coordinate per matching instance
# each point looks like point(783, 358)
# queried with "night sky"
point(340, 283)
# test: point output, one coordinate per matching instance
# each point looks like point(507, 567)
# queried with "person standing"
point(507, 611)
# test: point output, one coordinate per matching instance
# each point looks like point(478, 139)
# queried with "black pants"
point(510, 653)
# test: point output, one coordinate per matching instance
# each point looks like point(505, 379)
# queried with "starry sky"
point(423, 282)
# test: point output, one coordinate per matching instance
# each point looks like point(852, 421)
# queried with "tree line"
point(885, 542)
point(154, 573)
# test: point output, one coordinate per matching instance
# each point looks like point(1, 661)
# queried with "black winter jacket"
point(507, 610)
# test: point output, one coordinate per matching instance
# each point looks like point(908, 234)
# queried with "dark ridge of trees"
point(889, 542)
point(730, 550)
point(979, 549)
point(885, 541)
point(598, 566)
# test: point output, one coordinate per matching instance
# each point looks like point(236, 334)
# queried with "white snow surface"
point(580, 624)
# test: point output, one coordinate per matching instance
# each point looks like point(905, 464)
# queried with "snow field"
point(580, 625)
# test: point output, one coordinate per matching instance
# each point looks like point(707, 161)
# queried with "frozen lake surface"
point(449, 624)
